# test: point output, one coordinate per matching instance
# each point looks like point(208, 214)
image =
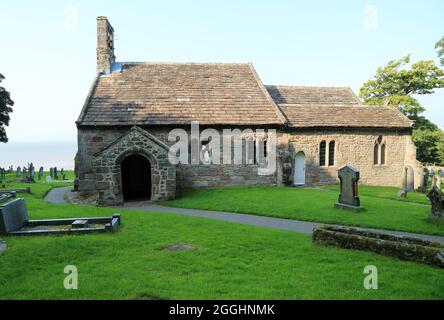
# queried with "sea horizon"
point(44, 154)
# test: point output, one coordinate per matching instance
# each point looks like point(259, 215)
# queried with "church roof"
point(221, 94)
point(332, 107)
point(178, 93)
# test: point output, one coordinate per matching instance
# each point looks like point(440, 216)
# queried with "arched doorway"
point(299, 169)
point(136, 178)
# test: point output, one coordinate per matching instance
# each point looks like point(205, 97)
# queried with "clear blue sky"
point(47, 50)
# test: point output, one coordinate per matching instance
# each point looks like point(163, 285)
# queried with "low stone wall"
point(404, 248)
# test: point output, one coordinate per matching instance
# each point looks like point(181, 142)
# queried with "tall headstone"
point(51, 172)
point(40, 173)
point(56, 174)
point(436, 197)
point(349, 198)
point(18, 172)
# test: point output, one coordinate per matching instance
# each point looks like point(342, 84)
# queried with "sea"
point(58, 154)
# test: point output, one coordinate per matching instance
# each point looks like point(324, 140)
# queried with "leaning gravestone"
point(436, 197)
point(348, 198)
point(13, 216)
point(402, 194)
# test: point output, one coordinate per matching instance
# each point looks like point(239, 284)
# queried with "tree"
point(5, 109)
point(395, 84)
point(430, 145)
point(440, 47)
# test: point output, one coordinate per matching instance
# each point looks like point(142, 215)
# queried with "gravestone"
point(62, 174)
point(436, 197)
point(402, 194)
point(51, 172)
point(18, 172)
point(13, 216)
point(40, 173)
point(24, 173)
point(56, 174)
point(48, 179)
point(348, 198)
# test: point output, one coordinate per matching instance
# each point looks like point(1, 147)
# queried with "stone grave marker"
point(40, 174)
point(13, 216)
point(436, 197)
point(48, 179)
point(56, 174)
point(18, 172)
point(348, 198)
point(51, 172)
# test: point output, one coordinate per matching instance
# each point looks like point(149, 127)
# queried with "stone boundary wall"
point(404, 248)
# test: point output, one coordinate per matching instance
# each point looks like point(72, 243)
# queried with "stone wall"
point(352, 146)
point(93, 140)
point(355, 147)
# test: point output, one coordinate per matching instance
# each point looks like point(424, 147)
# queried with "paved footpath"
point(57, 196)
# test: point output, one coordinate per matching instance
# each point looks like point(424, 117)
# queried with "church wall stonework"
point(352, 146)
point(355, 147)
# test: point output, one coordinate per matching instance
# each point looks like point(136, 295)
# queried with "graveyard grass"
point(382, 208)
point(227, 261)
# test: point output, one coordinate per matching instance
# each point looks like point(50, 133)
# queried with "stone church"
point(123, 128)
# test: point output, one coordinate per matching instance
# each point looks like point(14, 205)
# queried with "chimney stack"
point(105, 45)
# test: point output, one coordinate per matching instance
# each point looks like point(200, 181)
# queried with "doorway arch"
point(136, 177)
point(299, 169)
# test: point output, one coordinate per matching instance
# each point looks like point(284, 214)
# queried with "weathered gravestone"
point(48, 179)
point(56, 174)
point(436, 197)
point(13, 216)
point(24, 173)
point(402, 194)
point(62, 174)
point(348, 198)
point(40, 173)
point(51, 172)
point(18, 172)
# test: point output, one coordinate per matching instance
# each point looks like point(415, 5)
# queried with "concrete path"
point(57, 196)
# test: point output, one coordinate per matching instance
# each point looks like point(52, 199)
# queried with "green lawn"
point(313, 205)
point(229, 261)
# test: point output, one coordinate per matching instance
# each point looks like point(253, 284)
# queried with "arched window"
point(383, 153)
point(379, 151)
point(322, 147)
point(331, 153)
point(376, 154)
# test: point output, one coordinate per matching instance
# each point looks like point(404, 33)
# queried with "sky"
point(47, 48)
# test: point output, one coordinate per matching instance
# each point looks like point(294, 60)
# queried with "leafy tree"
point(430, 145)
point(5, 109)
point(395, 84)
point(440, 47)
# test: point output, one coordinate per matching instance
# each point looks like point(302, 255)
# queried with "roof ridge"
point(310, 87)
point(183, 63)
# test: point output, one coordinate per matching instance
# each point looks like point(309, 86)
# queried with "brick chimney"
point(105, 45)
